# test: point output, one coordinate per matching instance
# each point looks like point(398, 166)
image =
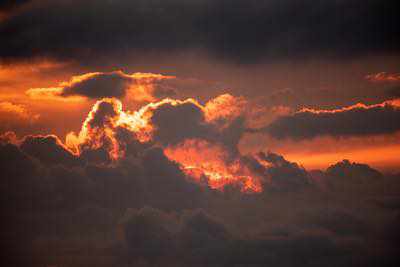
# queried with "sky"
point(160, 130)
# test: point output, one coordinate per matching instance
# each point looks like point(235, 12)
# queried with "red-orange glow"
point(383, 158)
point(51, 94)
point(95, 137)
point(383, 77)
point(202, 160)
point(137, 122)
point(10, 111)
point(144, 86)
point(141, 86)
point(394, 103)
point(224, 107)
point(321, 152)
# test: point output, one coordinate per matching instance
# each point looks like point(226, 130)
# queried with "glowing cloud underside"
point(204, 161)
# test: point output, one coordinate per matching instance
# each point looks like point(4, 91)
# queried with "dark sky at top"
point(234, 31)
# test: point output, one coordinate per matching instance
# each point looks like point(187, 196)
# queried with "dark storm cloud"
point(11, 4)
point(176, 123)
point(55, 214)
point(284, 175)
point(357, 120)
point(98, 85)
point(48, 149)
point(202, 240)
point(238, 30)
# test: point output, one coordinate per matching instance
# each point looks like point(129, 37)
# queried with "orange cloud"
point(15, 117)
point(383, 77)
point(110, 128)
point(137, 86)
point(211, 163)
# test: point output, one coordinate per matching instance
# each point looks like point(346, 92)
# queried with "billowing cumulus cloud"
point(166, 185)
point(180, 127)
point(356, 120)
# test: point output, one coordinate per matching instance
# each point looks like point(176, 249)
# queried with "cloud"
point(201, 239)
point(382, 77)
point(16, 117)
point(166, 122)
point(283, 175)
point(356, 120)
point(215, 166)
point(48, 149)
point(11, 4)
point(181, 128)
point(147, 233)
point(96, 85)
point(63, 203)
point(349, 176)
point(171, 221)
point(255, 31)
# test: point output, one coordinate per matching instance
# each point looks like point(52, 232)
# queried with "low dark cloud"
point(49, 150)
point(357, 120)
point(6, 5)
point(176, 123)
point(196, 238)
point(99, 85)
point(284, 175)
point(57, 213)
point(240, 31)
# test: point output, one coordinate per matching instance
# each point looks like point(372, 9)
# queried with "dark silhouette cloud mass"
point(97, 85)
point(144, 209)
point(243, 31)
point(357, 120)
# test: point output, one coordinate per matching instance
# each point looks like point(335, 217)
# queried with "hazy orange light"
point(202, 160)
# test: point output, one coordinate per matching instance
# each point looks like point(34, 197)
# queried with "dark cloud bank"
point(241, 31)
point(63, 210)
point(357, 120)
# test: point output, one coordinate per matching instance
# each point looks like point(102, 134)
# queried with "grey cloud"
point(351, 121)
point(242, 31)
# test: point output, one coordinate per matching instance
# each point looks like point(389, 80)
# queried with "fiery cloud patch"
point(225, 108)
point(15, 117)
point(201, 154)
point(382, 77)
point(210, 163)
